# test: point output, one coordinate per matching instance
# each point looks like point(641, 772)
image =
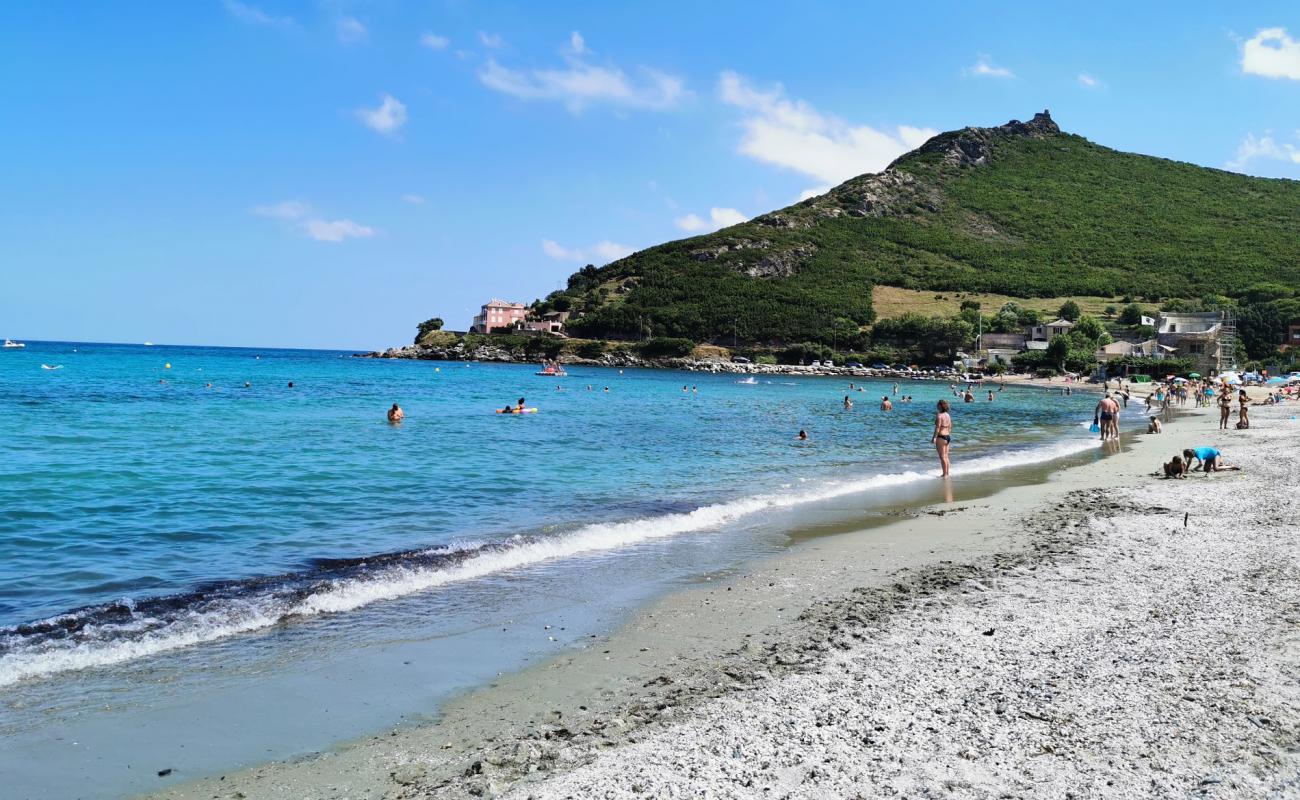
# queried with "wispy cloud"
point(792, 134)
point(580, 83)
point(1088, 81)
point(598, 253)
point(490, 40)
point(985, 68)
point(718, 218)
point(1272, 54)
point(1264, 148)
point(351, 30)
point(299, 216)
point(387, 119)
point(252, 15)
point(413, 199)
point(337, 230)
point(434, 42)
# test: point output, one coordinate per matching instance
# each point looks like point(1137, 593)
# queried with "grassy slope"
point(1078, 218)
point(1045, 217)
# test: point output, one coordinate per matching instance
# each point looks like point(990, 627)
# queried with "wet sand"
point(736, 663)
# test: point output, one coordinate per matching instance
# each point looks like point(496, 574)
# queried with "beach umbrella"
point(1180, 380)
point(1193, 374)
point(1234, 382)
point(1274, 381)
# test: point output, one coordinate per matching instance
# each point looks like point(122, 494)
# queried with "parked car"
point(854, 365)
point(739, 360)
point(879, 365)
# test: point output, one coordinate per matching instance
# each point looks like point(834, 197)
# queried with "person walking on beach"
point(942, 437)
point(1225, 409)
point(395, 414)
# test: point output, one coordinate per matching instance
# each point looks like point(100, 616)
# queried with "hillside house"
point(498, 314)
point(1044, 333)
point(550, 323)
point(1292, 336)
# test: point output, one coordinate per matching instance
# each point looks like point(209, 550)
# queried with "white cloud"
point(792, 134)
point(1255, 148)
point(599, 253)
point(351, 30)
point(580, 83)
point(386, 119)
point(413, 199)
point(985, 68)
point(299, 215)
point(253, 15)
point(336, 230)
point(289, 209)
point(434, 42)
point(718, 218)
point(1272, 54)
point(490, 40)
point(1088, 82)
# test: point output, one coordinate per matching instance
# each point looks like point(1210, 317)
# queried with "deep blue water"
point(166, 512)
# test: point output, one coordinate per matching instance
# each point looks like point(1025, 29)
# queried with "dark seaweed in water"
point(267, 592)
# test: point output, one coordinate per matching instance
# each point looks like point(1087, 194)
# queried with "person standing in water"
point(942, 437)
point(1106, 417)
point(886, 404)
point(847, 402)
point(395, 414)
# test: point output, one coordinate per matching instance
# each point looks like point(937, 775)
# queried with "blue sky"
point(327, 174)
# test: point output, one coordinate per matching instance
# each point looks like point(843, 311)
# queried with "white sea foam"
point(254, 613)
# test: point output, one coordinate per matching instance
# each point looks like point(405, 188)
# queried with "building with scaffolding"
point(1208, 338)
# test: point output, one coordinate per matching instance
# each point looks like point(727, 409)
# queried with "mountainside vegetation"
point(1021, 210)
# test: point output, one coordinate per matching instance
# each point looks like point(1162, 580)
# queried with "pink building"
point(498, 314)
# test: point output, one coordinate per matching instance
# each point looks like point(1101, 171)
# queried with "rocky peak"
point(970, 147)
point(1041, 125)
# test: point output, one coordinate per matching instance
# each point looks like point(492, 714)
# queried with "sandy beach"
point(1101, 634)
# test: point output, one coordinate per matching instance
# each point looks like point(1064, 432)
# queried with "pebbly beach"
point(1095, 631)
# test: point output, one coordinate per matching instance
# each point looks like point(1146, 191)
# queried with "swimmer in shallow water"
point(803, 436)
point(847, 402)
point(395, 414)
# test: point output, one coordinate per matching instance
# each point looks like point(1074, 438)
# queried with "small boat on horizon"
point(148, 344)
point(10, 344)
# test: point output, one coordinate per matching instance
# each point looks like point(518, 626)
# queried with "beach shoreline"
point(720, 638)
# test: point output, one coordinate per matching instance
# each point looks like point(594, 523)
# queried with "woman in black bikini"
point(942, 437)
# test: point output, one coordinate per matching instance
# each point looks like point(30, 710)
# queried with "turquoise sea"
point(175, 517)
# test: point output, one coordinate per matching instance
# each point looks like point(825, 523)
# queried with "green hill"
point(1021, 209)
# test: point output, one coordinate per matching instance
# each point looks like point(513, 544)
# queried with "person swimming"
point(885, 404)
point(803, 436)
point(847, 402)
point(520, 407)
point(395, 414)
